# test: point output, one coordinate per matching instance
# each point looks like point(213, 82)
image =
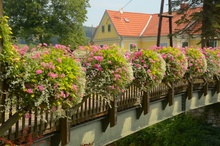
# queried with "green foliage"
point(37, 21)
point(182, 130)
point(208, 16)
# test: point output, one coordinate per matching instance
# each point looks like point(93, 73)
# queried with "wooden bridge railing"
point(95, 107)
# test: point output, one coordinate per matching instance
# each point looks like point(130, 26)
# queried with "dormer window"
point(103, 28)
point(109, 28)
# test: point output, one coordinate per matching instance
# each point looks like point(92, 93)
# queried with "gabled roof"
point(128, 23)
point(152, 28)
point(141, 24)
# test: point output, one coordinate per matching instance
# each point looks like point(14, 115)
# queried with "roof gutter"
point(146, 26)
point(121, 42)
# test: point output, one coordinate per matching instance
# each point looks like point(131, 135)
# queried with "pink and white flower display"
point(197, 64)
point(212, 56)
point(149, 68)
point(176, 63)
point(43, 77)
point(108, 71)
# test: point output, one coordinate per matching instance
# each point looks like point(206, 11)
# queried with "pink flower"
point(44, 44)
point(100, 69)
point(62, 75)
point(96, 65)
point(88, 64)
point(36, 55)
point(43, 64)
point(98, 58)
point(59, 60)
point(117, 76)
point(55, 86)
point(51, 66)
point(75, 87)
point(40, 87)
point(52, 75)
point(33, 49)
point(46, 52)
point(39, 71)
point(112, 87)
point(29, 91)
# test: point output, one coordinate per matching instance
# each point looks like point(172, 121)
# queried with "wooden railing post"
point(171, 94)
point(146, 102)
point(190, 89)
point(205, 89)
point(113, 113)
point(65, 130)
point(218, 85)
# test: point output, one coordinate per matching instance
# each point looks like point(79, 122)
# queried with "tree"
point(207, 20)
point(38, 21)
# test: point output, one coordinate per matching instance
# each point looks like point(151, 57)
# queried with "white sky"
point(98, 7)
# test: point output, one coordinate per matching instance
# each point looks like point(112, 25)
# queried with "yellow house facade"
point(127, 29)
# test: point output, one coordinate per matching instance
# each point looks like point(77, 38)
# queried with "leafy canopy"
point(38, 21)
point(206, 20)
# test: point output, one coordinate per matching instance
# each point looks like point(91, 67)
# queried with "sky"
point(98, 7)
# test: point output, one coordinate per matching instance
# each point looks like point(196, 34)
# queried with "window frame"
point(164, 43)
point(103, 28)
point(109, 27)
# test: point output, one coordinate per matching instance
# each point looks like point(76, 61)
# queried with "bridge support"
point(205, 89)
point(190, 89)
point(145, 105)
point(218, 85)
point(171, 94)
point(112, 116)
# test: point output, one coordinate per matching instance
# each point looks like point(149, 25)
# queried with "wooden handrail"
point(94, 106)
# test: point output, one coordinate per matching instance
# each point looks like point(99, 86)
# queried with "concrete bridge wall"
point(130, 121)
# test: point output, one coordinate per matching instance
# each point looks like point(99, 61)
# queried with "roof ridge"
point(146, 25)
point(130, 12)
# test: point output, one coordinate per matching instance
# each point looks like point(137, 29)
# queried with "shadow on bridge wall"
point(130, 121)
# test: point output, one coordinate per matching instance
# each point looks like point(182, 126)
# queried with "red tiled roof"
point(136, 24)
point(152, 28)
point(128, 23)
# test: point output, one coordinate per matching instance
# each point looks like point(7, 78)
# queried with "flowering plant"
point(176, 63)
point(197, 64)
point(212, 56)
point(149, 68)
point(43, 77)
point(107, 70)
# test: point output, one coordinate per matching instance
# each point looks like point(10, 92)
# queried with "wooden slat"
point(95, 107)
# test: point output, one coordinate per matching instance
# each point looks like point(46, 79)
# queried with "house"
point(129, 29)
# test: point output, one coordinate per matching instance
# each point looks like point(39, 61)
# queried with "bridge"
point(96, 122)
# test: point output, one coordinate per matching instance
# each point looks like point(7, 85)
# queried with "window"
point(132, 47)
point(163, 44)
point(109, 28)
point(185, 44)
point(103, 28)
point(213, 44)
